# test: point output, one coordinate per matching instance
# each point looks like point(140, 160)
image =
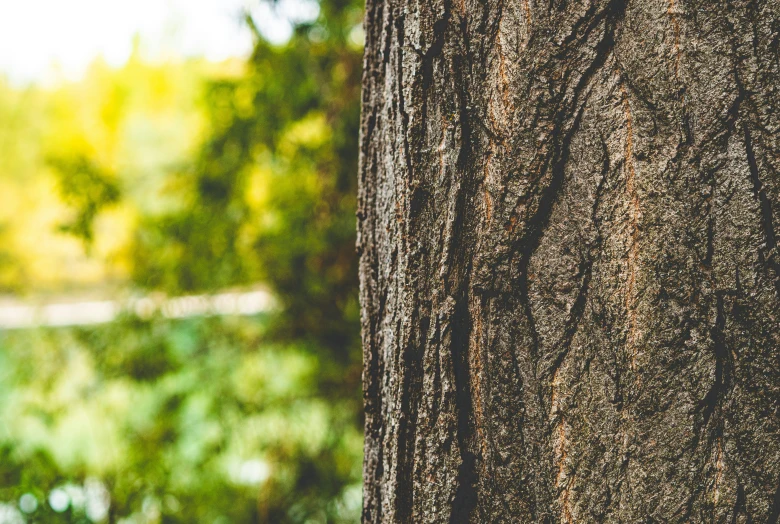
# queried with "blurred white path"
point(20, 315)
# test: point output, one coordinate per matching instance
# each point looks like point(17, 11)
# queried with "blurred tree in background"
point(271, 194)
point(211, 419)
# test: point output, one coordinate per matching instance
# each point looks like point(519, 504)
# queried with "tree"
point(570, 278)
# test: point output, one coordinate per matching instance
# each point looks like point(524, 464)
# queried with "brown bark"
point(570, 276)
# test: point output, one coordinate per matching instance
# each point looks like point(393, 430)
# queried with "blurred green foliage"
point(210, 419)
point(271, 195)
point(197, 420)
point(85, 187)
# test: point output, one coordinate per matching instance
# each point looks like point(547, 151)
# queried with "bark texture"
point(570, 277)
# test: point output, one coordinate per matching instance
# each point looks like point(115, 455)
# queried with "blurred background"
point(179, 338)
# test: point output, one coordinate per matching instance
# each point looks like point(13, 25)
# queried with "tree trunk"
point(570, 276)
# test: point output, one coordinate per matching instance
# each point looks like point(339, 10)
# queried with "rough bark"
point(570, 277)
